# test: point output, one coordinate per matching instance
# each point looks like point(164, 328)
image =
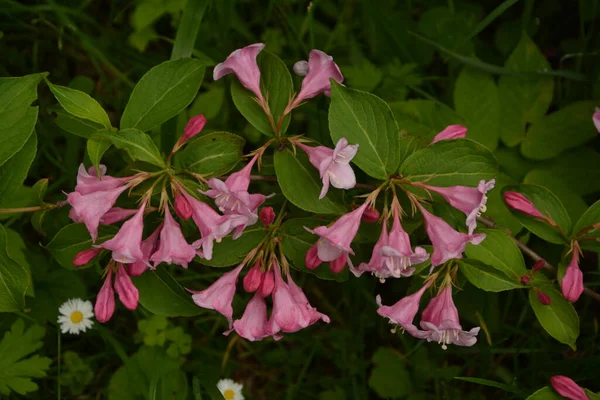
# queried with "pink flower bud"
point(525, 279)
point(451, 132)
point(572, 283)
point(518, 202)
point(312, 260)
point(371, 215)
point(266, 216)
point(268, 283)
point(85, 256)
point(193, 127)
point(336, 266)
point(596, 119)
point(253, 278)
point(105, 301)
point(183, 209)
point(128, 293)
point(566, 387)
point(539, 264)
point(543, 298)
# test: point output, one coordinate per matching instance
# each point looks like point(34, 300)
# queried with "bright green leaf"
point(14, 171)
point(14, 280)
point(488, 278)
point(96, 147)
point(16, 127)
point(559, 318)
point(80, 104)
point(232, 252)
point(137, 144)
point(545, 393)
point(76, 126)
point(214, 154)
point(499, 251)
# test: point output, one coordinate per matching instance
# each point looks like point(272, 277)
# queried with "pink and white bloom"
point(572, 283)
point(126, 245)
point(333, 164)
point(376, 264)
point(440, 322)
point(116, 214)
point(242, 63)
point(148, 246)
point(447, 243)
point(398, 256)
point(172, 246)
point(89, 182)
point(451, 132)
point(404, 311)
point(252, 325)
point(470, 200)
point(596, 119)
point(517, 201)
point(566, 387)
point(219, 295)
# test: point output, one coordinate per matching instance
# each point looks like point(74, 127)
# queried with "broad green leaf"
point(76, 126)
point(390, 378)
point(366, 120)
point(568, 127)
point(232, 252)
point(300, 183)
point(162, 93)
point(276, 85)
point(548, 205)
point(80, 104)
point(14, 171)
point(488, 278)
point(545, 393)
point(53, 286)
point(74, 238)
point(137, 144)
point(189, 25)
point(96, 147)
point(16, 126)
point(14, 279)
point(499, 251)
point(559, 318)
point(449, 163)
point(214, 154)
point(296, 241)
point(476, 98)
point(18, 93)
point(162, 295)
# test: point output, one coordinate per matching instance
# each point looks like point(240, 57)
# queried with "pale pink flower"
point(126, 245)
point(447, 243)
point(404, 311)
point(105, 301)
point(252, 325)
point(398, 255)
point(566, 387)
point(148, 246)
point(596, 119)
point(116, 214)
point(242, 63)
point(128, 293)
point(333, 164)
point(572, 283)
point(89, 182)
point(219, 295)
point(470, 200)
point(172, 246)
point(451, 132)
point(440, 322)
point(85, 256)
point(518, 202)
point(376, 263)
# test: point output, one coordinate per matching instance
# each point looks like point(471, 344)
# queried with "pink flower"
point(193, 127)
point(471, 201)
point(253, 278)
point(376, 263)
point(172, 246)
point(404, 311)
point(105, 301)
point(451, 132)
point(266, 216)
point(89, 208)
point(85, 256)
point(335, 240)
point(572, 283)
point(321, 68)
point(447, 243)
point(371, 215)
point(128, 293)
point(308, 314)
point(88, 181)
point(566, 387)
point(116, 214)
point(148, 246)
point(219, 295)
point(252, 325)
point(397, 253)
point(126, 245)
point(242, 63)
point(333, 164)
point(596, 119)
point(521, 203)
point(440, 323)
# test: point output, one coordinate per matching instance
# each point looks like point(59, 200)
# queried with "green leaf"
point(568, 127)
point(592, 395)
point(14, 171)
point(366, 120)
point(499, 251)
point(96, 147)
point(276, 83)
point(547, 204)
point(296, 241)
point(589, 218)
point(487, 382)
point(74, 238)
point(16, 126)
point(214, 154)
point(545, 393)
point(390, 378)
point(232, 252)
point(18, 93)
point(488, 278)
point(584, 228)
point(578, 168)
point(189, 25)
point(476, 98)
point(300, 183)
point(162, 93)
point(449, 163)
point(137, 144)
point(559, 318)
point(162, 295)
point(14, 280)
point(76, 126)
point(80, 104)
point(16, 371)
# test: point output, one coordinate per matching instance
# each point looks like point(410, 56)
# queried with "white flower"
point(76, 316)
point(230, 390)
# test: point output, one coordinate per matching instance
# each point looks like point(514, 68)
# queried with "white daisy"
point(76, 316)
point(230, 390)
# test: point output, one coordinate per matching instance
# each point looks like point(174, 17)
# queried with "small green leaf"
point(14, 281)
point(487, 382)
point(137, 144)
point(559, 318)
point(162, 295)
point(545, 393)
point(14, 171)
point(584, 228)
point(232, 252)
point(488, 278)
point(80, 104)
point(18, 93)
point(96, 147)
point(76, 126)
point(214, 154)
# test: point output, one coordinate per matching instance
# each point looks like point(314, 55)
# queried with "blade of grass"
point(188, 28)
point(498, 11)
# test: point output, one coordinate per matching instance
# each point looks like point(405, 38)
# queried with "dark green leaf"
point(137, 144)
point(96, 147)
point(14, 279)
point(545, 393)
point(214, 154)
point(14, 171)
point(559, 318)
point(16, 126)
point(162, 295)
point(389, 377)
point(188, 28)
point(232, 252)
point(488, 278)
point(76, 126)
point(499, 251)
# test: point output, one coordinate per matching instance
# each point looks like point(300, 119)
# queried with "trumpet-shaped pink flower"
point(126, 290)
point(451, 132)
point(596, 119)
point(376, 264)
point(333, 164)
point(440, 322)
point(148, 246)
point(219, 295)
point(470, 200)
point(85, 256)
point(335, 240)
point(89, 182)
point(447, 243)
point(518, 202)
point(572, 283)
point(116, 214)
point(105, 301)
point(252, 325)
point(404, 311)
point(242, 63)
point(319, 70)
point(126, 245)
point(128, 293)
point(398, 255)
point(194, 126)
point(566, 387)
point(172, 246)
point(308, 314)
point(89, 208)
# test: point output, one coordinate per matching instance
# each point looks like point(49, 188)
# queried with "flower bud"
point(525, 279)
point(518, 202)
point(595, 116)
point(193, 127)
point(543, 298)
point(85, 256)
point(267, 216)
point(338, 264)
point(301, 68)
point(312, 260)
point(183, 209)
point(268, 283)
point(451, 132)
point(370, 215)
point(567, 388)
point(253, 278)
point(539, 264)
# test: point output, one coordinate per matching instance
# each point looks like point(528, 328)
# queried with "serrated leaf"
point(559, 318)
point(80, 104)
point(214, 154)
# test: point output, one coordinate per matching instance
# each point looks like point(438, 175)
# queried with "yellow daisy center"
point(76, 317)
point(229, 394)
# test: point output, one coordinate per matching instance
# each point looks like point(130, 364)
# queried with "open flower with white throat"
point(230, 390)
point(75, 316)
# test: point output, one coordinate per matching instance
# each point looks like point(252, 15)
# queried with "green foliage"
point(14, 278)
point(559, 318)
point(389, 378)
point(80, 104)
point(214, 154)
point(138, 145)
point(77, 374)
